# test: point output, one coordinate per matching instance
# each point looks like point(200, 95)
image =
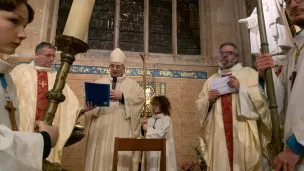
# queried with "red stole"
point(226, 103)
point(42, 88)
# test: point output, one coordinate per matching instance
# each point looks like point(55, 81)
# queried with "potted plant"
point(199, 155)
point(188, 166)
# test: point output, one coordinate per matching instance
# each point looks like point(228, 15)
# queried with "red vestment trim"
point(42, 88)
point(226, 102)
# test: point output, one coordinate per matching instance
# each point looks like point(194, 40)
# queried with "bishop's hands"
point(286, 160)
point(53, 132)
point(88, 107)
point(115, 95)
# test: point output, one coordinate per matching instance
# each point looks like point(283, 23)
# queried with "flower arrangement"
point(188, 166)
point(199, 155)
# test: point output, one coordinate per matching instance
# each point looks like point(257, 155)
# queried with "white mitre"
point(118, 56)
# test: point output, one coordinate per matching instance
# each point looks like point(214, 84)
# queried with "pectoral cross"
point(294, 73)
point(42, 84)
point(9, 106)
point(293, 78)
point(11, 110)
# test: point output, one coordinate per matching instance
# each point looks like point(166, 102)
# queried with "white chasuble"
point(239, 146)
point(103, 124)
point(25, 79)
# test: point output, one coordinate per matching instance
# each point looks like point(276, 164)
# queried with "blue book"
point(98, 94)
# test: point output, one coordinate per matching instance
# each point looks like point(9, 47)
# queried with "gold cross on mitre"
point(42, 84)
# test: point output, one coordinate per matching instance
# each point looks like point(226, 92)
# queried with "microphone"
point(114, 83)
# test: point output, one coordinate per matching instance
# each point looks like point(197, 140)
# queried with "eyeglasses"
point(112, 66)
point(226, 53)
point(288, 2)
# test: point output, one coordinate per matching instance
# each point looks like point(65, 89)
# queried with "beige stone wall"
point(220, 20)
point(220, 24)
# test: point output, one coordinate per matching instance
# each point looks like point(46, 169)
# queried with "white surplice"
point(25, 80)
point(160, 126)
point(290, 102)
point(103, 124)
point(18, 150)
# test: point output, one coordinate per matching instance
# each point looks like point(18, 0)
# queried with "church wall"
point(220, 18)
point(180, 82)
point(181, 92)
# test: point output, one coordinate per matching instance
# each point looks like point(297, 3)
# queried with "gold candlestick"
point(70, 46)
point(70, 43)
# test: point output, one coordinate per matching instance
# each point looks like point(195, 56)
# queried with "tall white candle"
point(77, 24)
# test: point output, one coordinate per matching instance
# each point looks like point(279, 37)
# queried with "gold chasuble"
point(32, 82)
point(237, 129)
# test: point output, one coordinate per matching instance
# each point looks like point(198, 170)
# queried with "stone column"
point(242, 32)
point(225, 27)
point(53, 17)
point(206, 43)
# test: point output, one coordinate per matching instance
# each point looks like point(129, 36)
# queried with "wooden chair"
point(133, 144)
